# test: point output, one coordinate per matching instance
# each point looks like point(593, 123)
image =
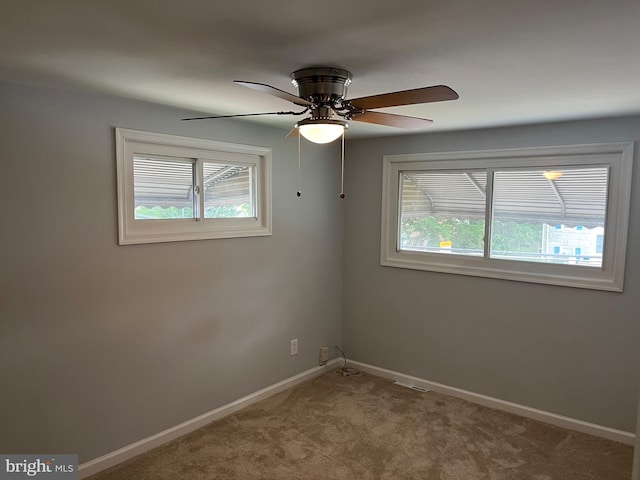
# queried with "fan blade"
point(246, 115)
point(263, 88)
point(437, 93)
point(292, 133)
point(392, 120)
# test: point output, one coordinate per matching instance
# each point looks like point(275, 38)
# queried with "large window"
point(554, 215)
point(177, 188)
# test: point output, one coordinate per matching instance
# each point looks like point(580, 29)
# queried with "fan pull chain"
point(342, 172)
point(299, 192)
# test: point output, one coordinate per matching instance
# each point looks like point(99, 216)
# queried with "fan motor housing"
point(321, 84)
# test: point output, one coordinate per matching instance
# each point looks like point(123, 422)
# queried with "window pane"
point(162, 188)
point(443, 212)
point(550, 216)
point(228, 190)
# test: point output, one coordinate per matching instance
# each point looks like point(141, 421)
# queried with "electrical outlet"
point(294, 347)
point(324, 355)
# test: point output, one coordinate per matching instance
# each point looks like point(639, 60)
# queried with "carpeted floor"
point(365, 427)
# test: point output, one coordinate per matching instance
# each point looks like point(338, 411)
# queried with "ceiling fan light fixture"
point(321, 131)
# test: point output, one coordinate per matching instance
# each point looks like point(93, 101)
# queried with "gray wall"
point(570, 351)
point(635, 474)
point(102, 345)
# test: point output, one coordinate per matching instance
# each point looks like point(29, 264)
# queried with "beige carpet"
point(365, 427)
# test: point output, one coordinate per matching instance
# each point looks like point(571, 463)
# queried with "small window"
point(178, 188)
point(547, 215)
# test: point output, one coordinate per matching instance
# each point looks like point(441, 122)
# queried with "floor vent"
point(412, 387)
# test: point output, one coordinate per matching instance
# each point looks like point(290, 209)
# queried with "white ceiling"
point(511, 61)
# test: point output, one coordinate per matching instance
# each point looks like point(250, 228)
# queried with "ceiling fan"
point(322, 92)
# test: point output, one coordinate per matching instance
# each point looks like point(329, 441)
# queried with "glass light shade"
point(321, 132)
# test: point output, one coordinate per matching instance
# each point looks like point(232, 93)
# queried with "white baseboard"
point(533, 413)
point(125, 453)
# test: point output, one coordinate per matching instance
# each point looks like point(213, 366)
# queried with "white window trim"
point(132, 231)
point(619, 156)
